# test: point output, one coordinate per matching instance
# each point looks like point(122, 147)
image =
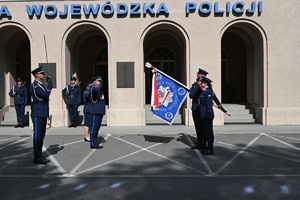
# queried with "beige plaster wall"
point(279, 23)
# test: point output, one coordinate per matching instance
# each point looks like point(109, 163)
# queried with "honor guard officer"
point(73, 94)
point(39, 112)
point(20, 95)
point(206, 99)
point(195, 91)
point(97, 110)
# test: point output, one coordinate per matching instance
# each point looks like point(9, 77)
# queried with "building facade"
point(250, 49)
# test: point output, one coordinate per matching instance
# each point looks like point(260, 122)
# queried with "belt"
point(19, 95)
point(39, 103)
point(73, 95)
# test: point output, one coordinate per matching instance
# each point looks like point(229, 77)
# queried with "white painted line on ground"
point(151, 176)
point(85, 159)
point(7, 139)
point(257, 151)
point(14, 143)
point(269, 154)
point(174, 161)
point(199, 155)
point(60, 168)
point(9, 157)
point(147, 149)
point(238, 154)
point(281, 141)
point(125, 156)
point(285, 137)
point(95, 167)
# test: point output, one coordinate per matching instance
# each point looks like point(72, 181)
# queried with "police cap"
point(202, 71)
point(19, 79)
point(73, 78)
point(205, 80)
point(97, 78)
point(38, 70)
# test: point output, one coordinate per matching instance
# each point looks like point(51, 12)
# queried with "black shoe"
point(96, 147)
point(47, 160)
point(208, 152)
point(40, 160)
point(18, 125)
point(203, 150)
point(86, 140)
point(22, 125)
point(71, 125)
point(198, 147)
point(195, 141)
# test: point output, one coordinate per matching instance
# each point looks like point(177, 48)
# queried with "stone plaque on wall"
point(125, 74)
point(50, 70)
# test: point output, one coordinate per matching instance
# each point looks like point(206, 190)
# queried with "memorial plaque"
point(125, 74)
point(50, 70)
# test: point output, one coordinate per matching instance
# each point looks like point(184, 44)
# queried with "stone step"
point(239, 113)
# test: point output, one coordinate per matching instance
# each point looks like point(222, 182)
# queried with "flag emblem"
point(167, 97)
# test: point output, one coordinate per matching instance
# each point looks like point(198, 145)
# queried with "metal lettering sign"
point(50, 70)
point(125, 74)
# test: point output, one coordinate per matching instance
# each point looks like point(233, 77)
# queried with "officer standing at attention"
point(195, 91)
point(20, 95)
point(97, 111)
point(39, 112)
point(86, 112)
point(73, 94)
point(207, 114)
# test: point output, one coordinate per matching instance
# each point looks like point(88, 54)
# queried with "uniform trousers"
point(73, 108)
point(39, 131)
point(197, 124)
point(96, 120)
point(20, 110)
point(207, 127)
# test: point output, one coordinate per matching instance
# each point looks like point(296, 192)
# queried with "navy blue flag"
point(167, 97)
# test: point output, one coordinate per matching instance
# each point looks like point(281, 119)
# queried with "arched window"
point(163, 59)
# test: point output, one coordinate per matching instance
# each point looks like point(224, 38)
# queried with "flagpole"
point(148, 65)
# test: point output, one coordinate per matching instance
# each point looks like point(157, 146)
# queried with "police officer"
point(73, 94)
point(20, 95)
point(195, 91)
point(39, 112)
point(207, 114)
point(97, 110)
point(86, 111)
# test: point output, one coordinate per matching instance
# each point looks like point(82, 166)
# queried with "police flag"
point(167, 95)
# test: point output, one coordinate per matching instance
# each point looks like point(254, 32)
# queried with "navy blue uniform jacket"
point(87, 102)
point(195, 91)
point(97, 100)
point(21, 97)
point(40, 99)
point(206, 103)
point(74, 92)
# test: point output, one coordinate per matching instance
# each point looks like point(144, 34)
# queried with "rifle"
point(221, 109)
point(69, 93)
point(19, 89)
